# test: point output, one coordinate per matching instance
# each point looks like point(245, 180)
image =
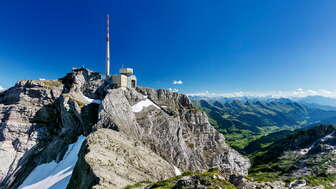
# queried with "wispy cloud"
point(298, 93)
point(2, 89)
point(177, 82)
point(173, 90)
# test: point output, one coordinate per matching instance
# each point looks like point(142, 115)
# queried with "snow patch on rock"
point(90, 100)
point(142, 104)
point(54, 175)
point(329, 136)
point(304, 151)
point(177, 171)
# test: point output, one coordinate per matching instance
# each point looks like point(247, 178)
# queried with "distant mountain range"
point(284, 138)
point(314, 101)
point(243, 120)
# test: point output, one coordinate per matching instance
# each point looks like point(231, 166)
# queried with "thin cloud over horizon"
point(298, 93)
point(2, 88)
point(177, 82)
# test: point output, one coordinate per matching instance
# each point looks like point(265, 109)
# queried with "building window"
point(133, 83)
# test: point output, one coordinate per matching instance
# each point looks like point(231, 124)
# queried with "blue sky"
point(218, 46)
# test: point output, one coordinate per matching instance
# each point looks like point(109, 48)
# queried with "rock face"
point(171, 128)
point(319, 157)
point(116, 161)
point(39, 119)
point(27, 115)
point(242, 183)
point(132, 135)
point(305, 152)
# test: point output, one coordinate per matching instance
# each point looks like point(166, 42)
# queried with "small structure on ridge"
point(126, 77)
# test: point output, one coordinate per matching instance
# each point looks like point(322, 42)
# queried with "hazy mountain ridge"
point(321, 102)
point(245, 120)
point(297, 146)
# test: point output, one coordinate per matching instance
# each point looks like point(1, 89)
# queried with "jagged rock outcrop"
point(164, 123)
point(27, 115)
point(109, 159)
point(242, 183)
point(139, 133)
point(184, 138)
point(39, 119)
point(318, 158)
point(305, 152)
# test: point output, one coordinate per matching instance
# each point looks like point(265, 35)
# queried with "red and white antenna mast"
point(107, 45)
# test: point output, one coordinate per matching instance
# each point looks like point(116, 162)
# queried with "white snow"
point(54, 175)
point(329, 136)
point(323, 139)
point(177, 171)
point(90, 100)
point(304, 151)
point(142, 104)
point(2, 89)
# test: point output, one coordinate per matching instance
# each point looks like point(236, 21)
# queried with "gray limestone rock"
point(186, 139)
point(110, 159)
point(40, 118)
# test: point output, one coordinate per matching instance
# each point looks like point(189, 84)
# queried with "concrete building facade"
point(125, 79)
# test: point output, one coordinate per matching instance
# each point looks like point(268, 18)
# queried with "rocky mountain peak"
point(128, 130)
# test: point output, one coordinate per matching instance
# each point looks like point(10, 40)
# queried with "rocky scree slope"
point(135, 134)
point(307, 153)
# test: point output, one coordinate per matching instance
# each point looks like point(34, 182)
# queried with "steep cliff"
point(165, 123)
point(132, 134)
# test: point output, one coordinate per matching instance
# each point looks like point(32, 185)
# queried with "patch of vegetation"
point(312, 180)
point(243, 121)
point(299, 139)
point(271, 164)
point(52, 83)
point(195, 109)
point(137, 185)
point(267, 132)
point(243, 138)
point(208, 177)
point(264, 176)
point(80, 104)
point(263, 142)
point(322, 180)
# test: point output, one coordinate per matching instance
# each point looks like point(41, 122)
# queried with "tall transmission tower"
point(107, 45)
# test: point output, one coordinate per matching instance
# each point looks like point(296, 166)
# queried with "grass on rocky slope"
point(241, 131)
point(52, 83)
point(312, 180)
point(210, 177)
point(275, 171)
point(267, 165)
